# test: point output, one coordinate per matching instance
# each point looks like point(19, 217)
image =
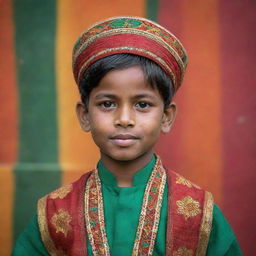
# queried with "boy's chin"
point(124, 156)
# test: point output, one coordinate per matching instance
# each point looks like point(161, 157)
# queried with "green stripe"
point(152, 9)
point(35, 50)
point(35, 28)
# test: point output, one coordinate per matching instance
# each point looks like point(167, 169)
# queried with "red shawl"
point(63, 230)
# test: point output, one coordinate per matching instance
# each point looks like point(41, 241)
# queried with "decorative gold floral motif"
point(61, 192)
point(188, 207)
point(181, 180)
point(183, 251)
point(61, 221)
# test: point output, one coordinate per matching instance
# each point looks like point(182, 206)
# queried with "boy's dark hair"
point(153, 73)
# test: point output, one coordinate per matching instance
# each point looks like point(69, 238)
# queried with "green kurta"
point(122, 211)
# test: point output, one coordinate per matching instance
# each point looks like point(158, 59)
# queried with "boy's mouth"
point(124, 140)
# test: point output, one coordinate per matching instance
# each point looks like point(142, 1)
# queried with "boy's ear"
point(168, 118)
point(83, 116)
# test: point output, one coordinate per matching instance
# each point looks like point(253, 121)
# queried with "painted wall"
point(213, 142)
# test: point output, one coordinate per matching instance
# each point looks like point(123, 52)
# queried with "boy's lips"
point(124, 139)
point(124, 136)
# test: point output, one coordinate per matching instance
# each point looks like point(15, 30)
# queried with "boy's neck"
point(125, 170)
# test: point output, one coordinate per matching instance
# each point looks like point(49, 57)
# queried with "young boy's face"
point(125, 115)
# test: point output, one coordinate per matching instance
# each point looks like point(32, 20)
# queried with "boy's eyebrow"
point(113, 96)
point(104, 95)
point(144, 95)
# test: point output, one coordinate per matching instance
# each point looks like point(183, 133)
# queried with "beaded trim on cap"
point(132, 35)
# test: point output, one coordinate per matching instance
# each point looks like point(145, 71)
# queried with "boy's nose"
point(124, 117)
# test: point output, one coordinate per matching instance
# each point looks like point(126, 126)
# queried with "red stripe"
point(8, 121)
point(196, 147)
point(238, 22)
point(8, 94)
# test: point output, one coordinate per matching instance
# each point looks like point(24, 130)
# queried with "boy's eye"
point(107, 104)
point(143, 105)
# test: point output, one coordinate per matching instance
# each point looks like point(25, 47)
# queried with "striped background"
point(213, 142)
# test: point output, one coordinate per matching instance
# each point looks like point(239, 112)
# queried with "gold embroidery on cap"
point(188, 207)
point(183, 251)
point(84, 66)
point(146, 34)
point(61, 192)
point(60, 221)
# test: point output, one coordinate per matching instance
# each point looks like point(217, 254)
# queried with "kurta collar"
point(140, 178)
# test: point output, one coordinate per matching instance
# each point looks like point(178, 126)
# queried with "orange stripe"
point(77, 151)
point(201, 131)
point(8, 93)
point(6, 209)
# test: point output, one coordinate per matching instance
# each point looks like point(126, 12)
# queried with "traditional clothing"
point(62, 220)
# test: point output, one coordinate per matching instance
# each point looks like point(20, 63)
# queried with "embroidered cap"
point(132, 35)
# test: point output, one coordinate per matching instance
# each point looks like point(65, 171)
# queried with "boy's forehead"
point(129, 82)
point(132, 35)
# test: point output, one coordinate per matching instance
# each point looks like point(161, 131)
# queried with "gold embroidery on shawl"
point(160, 172)
point(188, 207)
point(181, 180)
point(206, 224)
point(61, 192)
point(45, 235)
point(60, 221)
point(183, 251)
point(94, 201)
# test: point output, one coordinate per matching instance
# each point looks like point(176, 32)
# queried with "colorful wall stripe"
point(36, 79)
point(6, 209)
point(238, 117)
point(212, 142)
point(8, 93)
point(203, 110)
point(35, 64)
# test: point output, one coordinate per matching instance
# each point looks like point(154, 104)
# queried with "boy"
point(127, 70)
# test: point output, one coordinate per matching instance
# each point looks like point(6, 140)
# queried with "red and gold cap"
point(132, 35)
